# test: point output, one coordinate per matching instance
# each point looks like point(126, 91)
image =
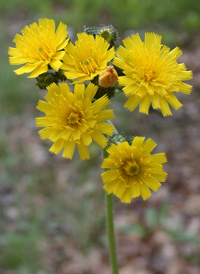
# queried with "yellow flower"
point(88, 58)
point(38, 47)
point(133, 171)
point(72, 118)
point(152, 74)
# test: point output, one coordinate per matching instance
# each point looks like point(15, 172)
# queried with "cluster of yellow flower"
point(73, 116)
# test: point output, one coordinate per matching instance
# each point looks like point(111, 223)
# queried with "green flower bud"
point(45, 79)
point(107, 32)
point(118, 138)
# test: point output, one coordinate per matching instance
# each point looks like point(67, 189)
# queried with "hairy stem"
point(110, 229)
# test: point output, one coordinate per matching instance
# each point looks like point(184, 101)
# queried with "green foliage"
point(32, 7)
point(183, 237)
point(15, 92)
point(18, 250)
point(151, 218)
point(128, 14)
point(134, 228)
point(136, 14)
point(83, 13)
point(154, 219)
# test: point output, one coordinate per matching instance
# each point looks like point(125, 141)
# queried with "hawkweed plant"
point(80, 80)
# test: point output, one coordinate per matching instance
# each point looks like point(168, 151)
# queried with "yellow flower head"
point(72, 118)
point(38, 47)
point(88, 58)
point(152, 74)
point(133, 171)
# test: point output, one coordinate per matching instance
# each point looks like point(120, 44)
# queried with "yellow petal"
point(109, 175)
point(138, 142)
point(145, 105)
point(173, 101)
point(90, 91)
point(145, 192)
point(126, 197)
point(68, 151)
point(38, 70)
point(106, 128)
point(149, 145)
point(99, 138)
point(83, 152)
point(164, 107)
point(132, 102)
point(159, 158)
point(61, 34)
point(57, 146)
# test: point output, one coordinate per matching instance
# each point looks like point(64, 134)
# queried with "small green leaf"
point(151, 217)
point(133, 228)
point(183, 237)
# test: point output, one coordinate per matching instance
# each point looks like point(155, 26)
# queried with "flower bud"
point(107, 32)
point(108, 77)
point(45, 79)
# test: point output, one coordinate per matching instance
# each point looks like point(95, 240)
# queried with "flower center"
point(149, 76)
point(89, 65)
point(74, 119)
point(40, 49)
point(44, 52)
point(131, 168)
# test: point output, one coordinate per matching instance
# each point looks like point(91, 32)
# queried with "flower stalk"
point(110, 229)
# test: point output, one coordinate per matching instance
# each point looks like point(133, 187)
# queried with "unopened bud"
point(45, 79)
point(108, 77)
point(107, 32)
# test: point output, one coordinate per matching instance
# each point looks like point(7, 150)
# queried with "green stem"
point(111, 234)
point(110, 229)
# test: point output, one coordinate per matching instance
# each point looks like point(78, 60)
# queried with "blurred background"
point(52, 209)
